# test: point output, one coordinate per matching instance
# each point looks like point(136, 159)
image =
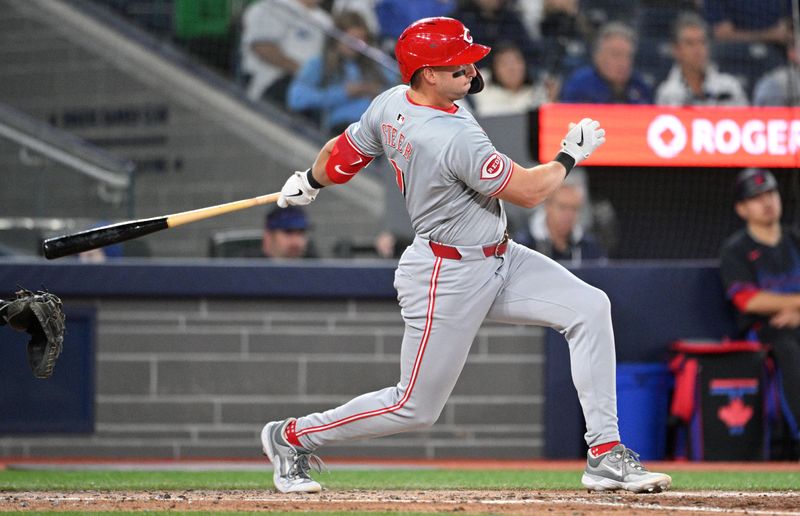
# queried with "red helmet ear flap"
point(477, 83)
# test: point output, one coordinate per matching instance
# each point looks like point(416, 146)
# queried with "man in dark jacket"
point(760, 267)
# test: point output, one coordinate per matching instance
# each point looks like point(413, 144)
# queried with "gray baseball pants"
point(443, 303)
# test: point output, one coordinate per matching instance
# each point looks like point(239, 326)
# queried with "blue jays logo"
point(736, 413)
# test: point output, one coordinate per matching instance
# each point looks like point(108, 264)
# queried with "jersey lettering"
point(400, 177)
point(395, 139)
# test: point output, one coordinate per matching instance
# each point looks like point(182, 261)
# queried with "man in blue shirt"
point(611, 79)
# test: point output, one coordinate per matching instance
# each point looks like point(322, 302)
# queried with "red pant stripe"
point(414, 373)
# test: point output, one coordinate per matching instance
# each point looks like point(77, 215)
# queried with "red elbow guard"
point(345, 160)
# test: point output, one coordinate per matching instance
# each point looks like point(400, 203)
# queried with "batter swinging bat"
point(120, 232)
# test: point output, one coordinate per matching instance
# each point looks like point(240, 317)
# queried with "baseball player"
point(461, 267)
point(760, 268)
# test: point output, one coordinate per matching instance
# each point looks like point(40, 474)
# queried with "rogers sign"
point(696, 137)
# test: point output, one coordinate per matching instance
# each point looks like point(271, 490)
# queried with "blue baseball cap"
point(288, 219)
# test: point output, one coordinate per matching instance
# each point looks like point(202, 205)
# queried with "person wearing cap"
point(760, 268)
point(285, 234)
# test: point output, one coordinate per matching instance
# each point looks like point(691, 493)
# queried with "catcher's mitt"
point(41, 315)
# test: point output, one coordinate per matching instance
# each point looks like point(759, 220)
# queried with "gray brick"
point(159, 433)
point(355, 324)
point(13, 450)
point(374, 449)
point(489, 451)
point(138, 320)
point(226, 319)
point(115, 450)
point(518, 345)
point(155, 411)
point(486, 379)
point(526, 413)
point(353, 377)
point(268, 306)
point(534, 432)
point(241, 435)
point(261, 413)
point(119, 308)
point(168, 342)
point(124, 377)
point(278, 342)
point(392, 343)
point(255, 376)
point(389, 306)
point(318, 322)
point(221, 450)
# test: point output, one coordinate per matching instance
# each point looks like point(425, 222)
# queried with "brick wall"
point(199, 378)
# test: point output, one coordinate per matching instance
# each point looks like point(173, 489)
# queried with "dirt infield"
point(498, 502)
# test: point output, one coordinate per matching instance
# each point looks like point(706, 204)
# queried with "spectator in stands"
point(555, 229)
point(494, 21)
point(340, 83)
point(395, 15)
point(509, 88)
point(693, 80)
point(278, 37)
point(611, 79)
point(780, 87)
point(366, 8)
point(760, 268)
point(766, 21)
point(285, 234)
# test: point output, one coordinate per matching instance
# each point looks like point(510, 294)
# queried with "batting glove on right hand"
point(297, 191)
point(583, 139)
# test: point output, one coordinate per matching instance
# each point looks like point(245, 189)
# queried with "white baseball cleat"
point(620, 468)
point(291, 465)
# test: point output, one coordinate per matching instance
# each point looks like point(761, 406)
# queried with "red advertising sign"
point(680, 137)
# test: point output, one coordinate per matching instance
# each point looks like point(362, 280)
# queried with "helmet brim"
point(471, 55)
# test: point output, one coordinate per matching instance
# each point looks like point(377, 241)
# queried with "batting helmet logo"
point(437, 41)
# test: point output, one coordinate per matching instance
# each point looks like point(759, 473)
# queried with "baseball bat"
point(123, 231)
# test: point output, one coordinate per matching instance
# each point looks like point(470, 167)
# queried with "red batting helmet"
point(436, 42)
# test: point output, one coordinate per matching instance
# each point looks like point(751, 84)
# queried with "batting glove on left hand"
point(297, 191)
point(583, 139)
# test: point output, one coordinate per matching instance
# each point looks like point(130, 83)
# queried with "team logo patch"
point(493, 167)
point(401, 118)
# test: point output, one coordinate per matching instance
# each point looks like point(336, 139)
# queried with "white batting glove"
point(297, 191)
point(583, 139)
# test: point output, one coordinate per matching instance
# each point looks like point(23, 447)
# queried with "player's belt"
point(453, 253)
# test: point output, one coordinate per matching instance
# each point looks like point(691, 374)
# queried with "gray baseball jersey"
point(446, 167)
point(449, 281)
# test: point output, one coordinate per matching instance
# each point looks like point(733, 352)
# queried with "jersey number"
point(400, 177)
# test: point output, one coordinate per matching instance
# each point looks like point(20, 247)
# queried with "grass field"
point(556, 491)
point(11, 480)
